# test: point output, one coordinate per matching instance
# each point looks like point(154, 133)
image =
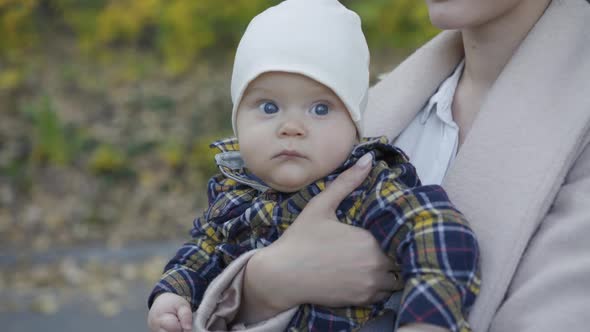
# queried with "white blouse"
point(432, 138)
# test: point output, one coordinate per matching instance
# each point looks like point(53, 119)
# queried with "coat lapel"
point(525, 138)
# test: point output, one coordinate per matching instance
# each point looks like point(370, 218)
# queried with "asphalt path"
point(79, 313)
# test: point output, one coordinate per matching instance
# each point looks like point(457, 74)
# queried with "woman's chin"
point(444, 22)
point(452, 15)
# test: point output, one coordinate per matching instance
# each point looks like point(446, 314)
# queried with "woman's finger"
point(344, 184)
point(384, 262)
point(391, 281)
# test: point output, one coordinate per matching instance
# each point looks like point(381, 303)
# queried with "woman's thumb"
point(345, 183)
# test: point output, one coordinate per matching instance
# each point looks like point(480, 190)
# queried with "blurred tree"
point(108, 107)
point(394, 23)
point(180, 31)
point(17, 31)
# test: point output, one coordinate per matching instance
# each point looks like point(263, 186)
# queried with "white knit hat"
point(320, 39)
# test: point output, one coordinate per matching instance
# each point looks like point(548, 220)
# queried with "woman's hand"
point(318, 259)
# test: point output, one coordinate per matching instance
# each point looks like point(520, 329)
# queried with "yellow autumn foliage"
point(107, 159)
point(16, 29)
point(179, 32)
point(124, 20)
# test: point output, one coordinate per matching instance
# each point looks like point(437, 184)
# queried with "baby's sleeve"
point(197, 262)
point(192, 268)
point(434, 246)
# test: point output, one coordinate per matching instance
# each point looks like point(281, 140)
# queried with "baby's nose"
point(292, 128)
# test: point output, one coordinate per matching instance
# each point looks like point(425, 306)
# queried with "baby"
point(299, 88)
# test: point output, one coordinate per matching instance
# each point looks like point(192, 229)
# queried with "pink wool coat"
point(522, 176)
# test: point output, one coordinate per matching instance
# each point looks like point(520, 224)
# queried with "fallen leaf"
point(46, 304)
point(129, 272)
point(71, 272)
point(109, 308)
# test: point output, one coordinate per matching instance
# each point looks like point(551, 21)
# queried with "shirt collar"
point(442, 100)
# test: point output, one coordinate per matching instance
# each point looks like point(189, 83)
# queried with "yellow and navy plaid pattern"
point(417, 226)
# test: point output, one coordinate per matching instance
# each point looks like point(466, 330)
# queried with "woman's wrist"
point(261, 294)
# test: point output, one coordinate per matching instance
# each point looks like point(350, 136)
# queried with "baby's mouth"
point(289, 153)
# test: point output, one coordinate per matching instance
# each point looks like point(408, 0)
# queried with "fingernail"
point(365, 161)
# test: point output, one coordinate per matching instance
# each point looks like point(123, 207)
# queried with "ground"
point(89, 289)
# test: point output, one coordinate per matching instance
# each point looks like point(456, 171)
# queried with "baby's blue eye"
point(320, 109)
point(269, 107)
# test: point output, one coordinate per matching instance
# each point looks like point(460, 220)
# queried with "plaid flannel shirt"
point(417, 226)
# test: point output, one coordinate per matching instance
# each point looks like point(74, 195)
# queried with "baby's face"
point(292, 130)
